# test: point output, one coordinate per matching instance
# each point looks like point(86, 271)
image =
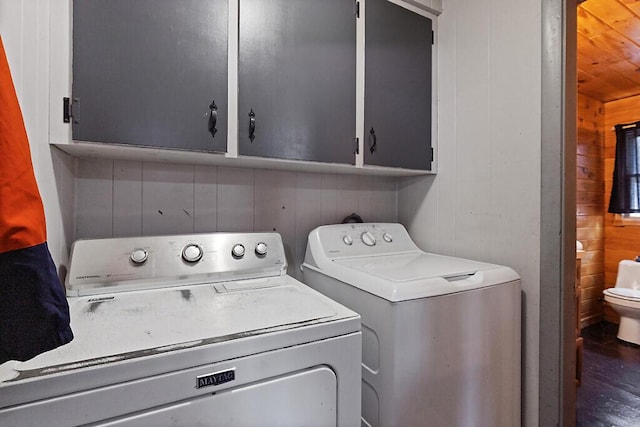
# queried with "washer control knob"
point(387, 237)
point(138, 256)
point(261, 249)
point(348, 240)
point(192, 253)
point(237, 251)
point(368, 238)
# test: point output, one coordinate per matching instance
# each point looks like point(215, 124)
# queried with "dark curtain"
point(625, 192)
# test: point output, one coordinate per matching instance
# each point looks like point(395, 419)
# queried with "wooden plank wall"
point(590, 206)
point(117, 198)
point(622, 240)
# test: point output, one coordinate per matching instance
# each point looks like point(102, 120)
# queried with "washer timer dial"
point(368, 238)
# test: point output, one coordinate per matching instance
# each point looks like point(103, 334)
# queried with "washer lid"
point(414, 266)
point(402, 277)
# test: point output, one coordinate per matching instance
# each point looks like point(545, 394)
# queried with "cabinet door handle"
point(372, 141)
point(213, 118)
point(252, 125)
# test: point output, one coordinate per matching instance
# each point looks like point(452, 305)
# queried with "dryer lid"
point(128, 325)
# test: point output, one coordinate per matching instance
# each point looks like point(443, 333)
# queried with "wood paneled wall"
point(590, 206)
point(622, 240)
point(125, 198)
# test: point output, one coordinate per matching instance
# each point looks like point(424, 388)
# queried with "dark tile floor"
point(610, 390)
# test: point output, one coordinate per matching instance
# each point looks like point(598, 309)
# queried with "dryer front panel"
point(307, 397)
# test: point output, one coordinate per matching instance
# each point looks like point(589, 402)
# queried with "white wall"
point(125, 198)
point(24, 26)
point(485, 201)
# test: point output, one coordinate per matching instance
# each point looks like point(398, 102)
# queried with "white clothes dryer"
point(189, 330)
point(441, 335)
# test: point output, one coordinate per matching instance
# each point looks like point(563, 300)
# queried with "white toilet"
point(625, 299)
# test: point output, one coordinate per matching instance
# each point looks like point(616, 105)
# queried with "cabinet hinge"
point(356, 143)
point(431, 154)
point(70, 109)
point(433, 38)
point(356, 9)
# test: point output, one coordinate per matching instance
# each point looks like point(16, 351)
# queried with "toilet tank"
point(628, 274)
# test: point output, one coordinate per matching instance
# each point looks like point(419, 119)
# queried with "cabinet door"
point(145, 72)
point(397, 87)
point(297, 76)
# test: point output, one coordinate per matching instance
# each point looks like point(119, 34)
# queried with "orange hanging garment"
point(34, 315)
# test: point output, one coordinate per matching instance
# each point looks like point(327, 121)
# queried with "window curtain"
point(625, 192)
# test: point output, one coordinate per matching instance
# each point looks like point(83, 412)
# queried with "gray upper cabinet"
point(151, 72)
point(398, 67)
point(297, 79)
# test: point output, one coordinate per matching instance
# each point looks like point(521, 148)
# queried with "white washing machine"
point(190, 330)
point(440, 335)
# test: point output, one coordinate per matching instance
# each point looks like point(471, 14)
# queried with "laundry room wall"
point(125, 198)
point(484, 203)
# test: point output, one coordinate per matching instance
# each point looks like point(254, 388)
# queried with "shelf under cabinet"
point(93, 150)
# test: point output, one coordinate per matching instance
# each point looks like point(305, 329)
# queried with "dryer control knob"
point(261, 249)
point(387, 237)
point(368, 238)
point(237, 251)
point(348, 240)
point(192, 253)
point(138, 256)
